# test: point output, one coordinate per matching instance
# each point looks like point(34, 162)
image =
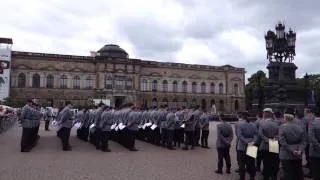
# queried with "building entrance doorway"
point(118, 101)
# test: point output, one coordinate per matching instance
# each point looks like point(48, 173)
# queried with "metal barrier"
point(7, 122)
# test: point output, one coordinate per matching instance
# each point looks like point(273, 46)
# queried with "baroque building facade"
point(111, 74)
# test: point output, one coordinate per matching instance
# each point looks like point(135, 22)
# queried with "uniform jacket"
point(66, 119)
point(106, 121)
point(30, 117)
point(204, 122)
point(291, 138)
point(133, 121)
point(314, 138)
point(268, 129)
point(170, 121)
point(224, 135)
point(247, 132)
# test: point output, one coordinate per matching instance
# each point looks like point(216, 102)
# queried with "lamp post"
point(260, 92)
point(280, 46)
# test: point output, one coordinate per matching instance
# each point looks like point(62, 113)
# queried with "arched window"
point(203, 87)
point(184, 86)
point(175, 86)
point(50, 81)
point(236, 106)
point(194, 87)
point(21, 80)
point(108, 82)
point(165, 86)
point(154, 102)
point(165, 101)
point(76, 82)
point(129, 84)
point(175, 103)
point(63, 81)
point(236, 89)
point(204, 104)
point(154, 85)
point(220, 88)
point(144, 85)
point(221, 105)
point(212, 88)
point(194, 102)
point(36, 81)
point(88, 82)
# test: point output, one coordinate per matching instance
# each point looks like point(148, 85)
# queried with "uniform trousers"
point(189, 138)
point(246, 163)
point(65, 135)
point(314, 166)
point(26, 139)
point(178, 136)
point(104, 140)
point(157, 136)
point(292, 169)
point(204, 138)
point(131, 139)
point(46, 126)
point(99, 138)
point(259, 160)
point(307, 155)
point(197, 136)
point(270, 165)
point(224, 154)
point(164, 136)
point(170, 134)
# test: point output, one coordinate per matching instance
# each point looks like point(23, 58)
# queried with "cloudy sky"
point(213, 32)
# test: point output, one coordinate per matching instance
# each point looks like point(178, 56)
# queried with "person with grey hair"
point(247, 135)
point(269, 129)
point(223, 144)
point(292, 140)
point(314, 147)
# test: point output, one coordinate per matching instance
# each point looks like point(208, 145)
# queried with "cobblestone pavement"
point(47, 160)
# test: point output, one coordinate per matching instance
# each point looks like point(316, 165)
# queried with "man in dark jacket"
point(66, 122)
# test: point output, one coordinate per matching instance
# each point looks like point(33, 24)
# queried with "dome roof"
point(113, 50)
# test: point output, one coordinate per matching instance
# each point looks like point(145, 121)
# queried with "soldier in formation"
point(30, 121)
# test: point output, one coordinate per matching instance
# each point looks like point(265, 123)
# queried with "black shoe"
point(38, 137)
point(67, 149)
point(106, 150)
point(185, 148)
point(171, 148)
point(207, 147)
point(228, 171)
point(218, 172)
point(237, 170)
point(25, 150)
point(192, 147)
point(308, 175)
point(133, 149)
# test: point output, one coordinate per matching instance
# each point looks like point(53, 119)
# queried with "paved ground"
point(47, 161)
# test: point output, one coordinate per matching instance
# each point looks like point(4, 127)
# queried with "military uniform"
point(204, 124)
point(29, 121)
point(247, 133)
point(292, 143)
point(223, 143)
point(66, 121)
point(197, 128)
point(314, 148)
point(105, 124)
point(170, 126)
point(189, 120)
point(269, 129)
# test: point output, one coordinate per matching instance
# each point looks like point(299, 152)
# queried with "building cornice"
point(142, 63)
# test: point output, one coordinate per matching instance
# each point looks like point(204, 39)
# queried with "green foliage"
point(252, 85)
point(15, 103)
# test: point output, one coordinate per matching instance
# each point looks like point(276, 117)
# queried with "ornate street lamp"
point(280, 45)
point(260, 92)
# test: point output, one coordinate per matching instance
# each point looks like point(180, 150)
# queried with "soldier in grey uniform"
point(308, 117)
point(204, 124)
point(259, 158)
point(247, 135)
point(269, 129)
point(314, 147)
point(105, 124)
point(134, 118)
point(29, 117)
point(47, 118)
point(197, 129)
point(292, 140)
point(223, 144)
point(66, 122)
point(98, 125)
point(170, 126)
point(189, 121)
point(237, 125)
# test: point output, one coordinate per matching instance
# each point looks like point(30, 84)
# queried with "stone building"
point(111, 74)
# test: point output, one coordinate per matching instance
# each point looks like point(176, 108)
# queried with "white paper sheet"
point(183, 126)
point(77, 125)
point(121, 126)
point(252, 151)
point(113, 126)
point(153, 127)
point(273, 146)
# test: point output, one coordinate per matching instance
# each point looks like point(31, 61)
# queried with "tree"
point(252, 87)
point(9, 101)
